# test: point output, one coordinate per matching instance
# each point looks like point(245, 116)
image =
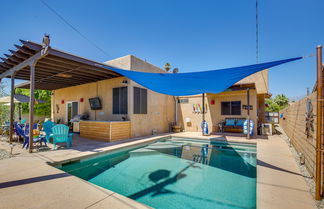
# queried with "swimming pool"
point(177, 173)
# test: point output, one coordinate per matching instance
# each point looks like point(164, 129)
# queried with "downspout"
point(176, 99)
point(248, 113)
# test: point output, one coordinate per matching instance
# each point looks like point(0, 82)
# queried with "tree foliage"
point(276, 104)
point(167, 67)
point(4, 109)
point(40, 109)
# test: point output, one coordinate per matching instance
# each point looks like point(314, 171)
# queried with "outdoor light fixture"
point(81, 99)
point(212, 102)
point(301, 158)
point(64, 75)
point(289, 142)
point(62, 101)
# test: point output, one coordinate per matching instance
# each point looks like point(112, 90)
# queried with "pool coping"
point(275, 188)
point(137, 143)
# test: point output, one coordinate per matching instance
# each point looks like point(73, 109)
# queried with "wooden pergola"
point(48, 69)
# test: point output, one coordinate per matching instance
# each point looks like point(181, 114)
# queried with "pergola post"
point(203, 112)
point(12, 107)
point(31, 105)
point(248, 113)
point(319, 123)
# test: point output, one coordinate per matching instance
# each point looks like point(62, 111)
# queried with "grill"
point(76, 121)
point(77, 118)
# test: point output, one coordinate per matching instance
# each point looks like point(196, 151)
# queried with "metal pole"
point(19, 113)
point(203, 111)
point(31, 106)
point(319, 114)
point(12, 107)
point(176, 110)
point(248, 114)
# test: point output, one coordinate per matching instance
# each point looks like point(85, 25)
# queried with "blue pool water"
point(177, 173)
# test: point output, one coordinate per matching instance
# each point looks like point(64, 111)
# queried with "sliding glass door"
point(72, 109)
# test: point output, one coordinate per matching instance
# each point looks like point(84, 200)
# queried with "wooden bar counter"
point(108, 131)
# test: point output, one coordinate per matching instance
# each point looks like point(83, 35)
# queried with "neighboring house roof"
point(18, 98)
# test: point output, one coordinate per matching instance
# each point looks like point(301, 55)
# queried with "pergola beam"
point(85, 73)
point(26, 63)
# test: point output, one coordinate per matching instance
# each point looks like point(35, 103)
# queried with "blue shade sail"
point(185, 84)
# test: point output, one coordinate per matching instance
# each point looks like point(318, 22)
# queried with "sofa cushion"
point(240, 122)
point(230, 122)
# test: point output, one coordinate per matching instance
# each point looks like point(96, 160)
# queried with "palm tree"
point(167, 67)
point(281, 100)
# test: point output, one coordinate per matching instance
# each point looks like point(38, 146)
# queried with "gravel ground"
point(4, 154)
point(308, 178)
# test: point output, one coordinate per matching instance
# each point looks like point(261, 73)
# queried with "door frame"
point(66, 109)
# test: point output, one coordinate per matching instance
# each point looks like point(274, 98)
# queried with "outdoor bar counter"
point(108, 131)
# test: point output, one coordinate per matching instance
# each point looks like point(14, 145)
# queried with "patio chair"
point(47, 128)
point(25, 136)
point(23, 122)
point(60, 133)
point(35, 126)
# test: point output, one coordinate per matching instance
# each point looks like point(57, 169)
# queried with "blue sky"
point(191, 35)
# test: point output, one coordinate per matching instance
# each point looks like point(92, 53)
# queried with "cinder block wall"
point(293, 123)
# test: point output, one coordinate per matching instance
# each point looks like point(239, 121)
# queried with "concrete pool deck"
point(27, 181)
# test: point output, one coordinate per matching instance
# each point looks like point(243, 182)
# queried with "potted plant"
point(176, 128)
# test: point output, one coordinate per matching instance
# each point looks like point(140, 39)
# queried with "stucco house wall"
point(213, 115)
point(160, 112)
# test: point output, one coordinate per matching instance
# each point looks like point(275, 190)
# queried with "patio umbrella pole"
point(19, 112)
point(12, 107)
point(248, 113)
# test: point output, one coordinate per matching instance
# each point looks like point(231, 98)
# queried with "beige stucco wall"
point(160, 110)
point(260, 79)
point(213, 115)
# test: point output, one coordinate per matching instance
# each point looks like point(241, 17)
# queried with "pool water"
point(177, 173)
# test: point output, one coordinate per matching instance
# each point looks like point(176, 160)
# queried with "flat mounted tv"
point(95, 103)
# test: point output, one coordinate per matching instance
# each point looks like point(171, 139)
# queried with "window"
point(231, 108)
point(120, 102)
point(140, 100)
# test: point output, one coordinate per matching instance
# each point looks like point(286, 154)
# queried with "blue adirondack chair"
point(60, 133)
point(47, 127)
point(35, 126)
point(23, 121)
point(25, 136)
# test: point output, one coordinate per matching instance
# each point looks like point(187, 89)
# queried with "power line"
point(74, 28)
point(257, 40)
point(257, 31)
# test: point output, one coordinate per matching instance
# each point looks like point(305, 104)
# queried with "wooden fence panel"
point(294, 122)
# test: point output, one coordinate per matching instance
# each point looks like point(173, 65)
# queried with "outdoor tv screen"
point(95, 103)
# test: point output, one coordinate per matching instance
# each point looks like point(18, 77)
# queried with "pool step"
point(143, 152)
